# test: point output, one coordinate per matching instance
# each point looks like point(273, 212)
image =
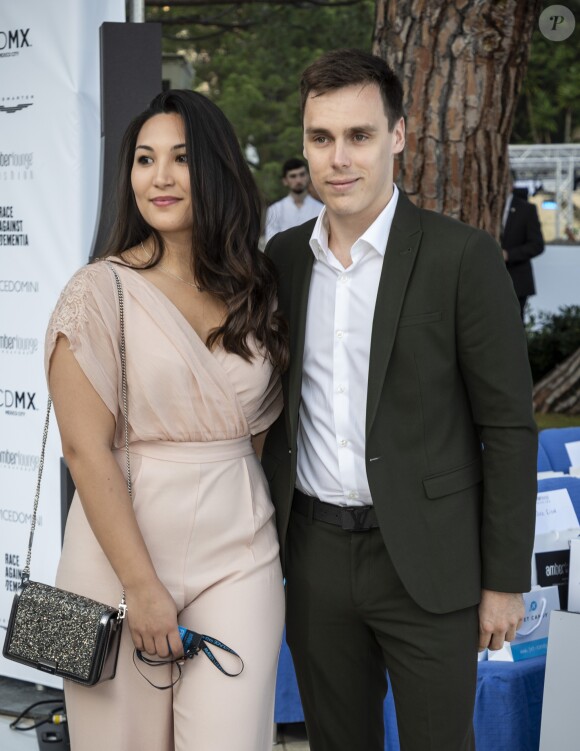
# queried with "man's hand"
point(500, 616)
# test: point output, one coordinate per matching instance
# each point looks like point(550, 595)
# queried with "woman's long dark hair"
point(226, 207)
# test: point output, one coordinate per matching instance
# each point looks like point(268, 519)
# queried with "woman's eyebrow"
point(150, 148)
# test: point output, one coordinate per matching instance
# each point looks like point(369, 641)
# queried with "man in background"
point(298, 206)
point(521, 241)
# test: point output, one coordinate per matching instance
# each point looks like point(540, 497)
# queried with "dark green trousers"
point(349, 619)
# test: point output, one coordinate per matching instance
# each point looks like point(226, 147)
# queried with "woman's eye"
point(182, 159)
point(144, 159)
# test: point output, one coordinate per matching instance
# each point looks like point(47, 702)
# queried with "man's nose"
point(341, 154)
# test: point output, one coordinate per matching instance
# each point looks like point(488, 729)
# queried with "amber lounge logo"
point(18, 345)
point(13, 41)
point(18, 460)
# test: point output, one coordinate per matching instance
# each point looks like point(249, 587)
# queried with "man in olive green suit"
point(403, 468)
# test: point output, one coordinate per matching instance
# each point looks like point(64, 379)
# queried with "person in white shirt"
point(298, 206)
point(403, 468)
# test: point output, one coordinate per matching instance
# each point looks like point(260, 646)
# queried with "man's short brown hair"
point(349, 67)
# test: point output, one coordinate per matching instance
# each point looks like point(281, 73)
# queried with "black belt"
point(350, 518)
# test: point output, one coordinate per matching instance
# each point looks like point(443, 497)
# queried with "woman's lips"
point(164, 201)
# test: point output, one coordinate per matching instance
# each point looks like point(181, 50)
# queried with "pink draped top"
point(178, 389)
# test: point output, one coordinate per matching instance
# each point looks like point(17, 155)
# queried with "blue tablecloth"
point(508, 705)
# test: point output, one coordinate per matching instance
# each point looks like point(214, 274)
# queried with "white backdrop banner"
point(49, 181)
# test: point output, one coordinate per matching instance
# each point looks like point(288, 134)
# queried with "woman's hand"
point(152, 618)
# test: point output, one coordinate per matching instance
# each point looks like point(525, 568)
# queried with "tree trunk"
point(462, 63)
point(559, 391)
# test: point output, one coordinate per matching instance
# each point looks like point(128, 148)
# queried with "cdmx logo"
point(16, 403)
point(15, 39)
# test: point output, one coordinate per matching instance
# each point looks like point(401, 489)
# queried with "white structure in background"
point(557, 167)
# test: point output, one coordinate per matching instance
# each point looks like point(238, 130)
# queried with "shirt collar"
point(374, 237)
point(506, 210)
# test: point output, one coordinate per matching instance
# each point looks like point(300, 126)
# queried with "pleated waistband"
point(195, 452)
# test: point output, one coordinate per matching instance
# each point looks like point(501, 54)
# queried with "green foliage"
point(549, 95)
point(555, 420)
point(252, 72)
point(552, 337)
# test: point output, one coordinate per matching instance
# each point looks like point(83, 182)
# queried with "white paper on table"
point(573, 449)
point(500, 655)
point(554, 511)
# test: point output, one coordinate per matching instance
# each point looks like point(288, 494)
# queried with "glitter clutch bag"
point(60, 632)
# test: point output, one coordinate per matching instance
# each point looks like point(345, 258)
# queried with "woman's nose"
point(163, 174)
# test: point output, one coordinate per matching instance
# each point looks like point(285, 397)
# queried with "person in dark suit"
point(403, 468)
point(521, 240)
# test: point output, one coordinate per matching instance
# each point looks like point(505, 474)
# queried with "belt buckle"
point(353, 519)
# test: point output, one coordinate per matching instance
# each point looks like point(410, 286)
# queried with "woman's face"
point(160, 177)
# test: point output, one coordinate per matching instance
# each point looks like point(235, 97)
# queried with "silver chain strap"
point(123, 375)
point(26, 570)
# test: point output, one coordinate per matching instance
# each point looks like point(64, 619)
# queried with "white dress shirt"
point(506, 211)
point(341, 306)
point(286, 213)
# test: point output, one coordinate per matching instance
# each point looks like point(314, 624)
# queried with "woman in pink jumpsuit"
point(197, 546)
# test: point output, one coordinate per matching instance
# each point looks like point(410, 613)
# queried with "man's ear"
point(399, 136)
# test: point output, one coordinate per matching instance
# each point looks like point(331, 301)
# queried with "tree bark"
point(462, 63)
point(204, 3)
point(559, 391)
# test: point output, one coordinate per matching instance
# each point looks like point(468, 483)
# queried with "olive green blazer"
point(451, 440)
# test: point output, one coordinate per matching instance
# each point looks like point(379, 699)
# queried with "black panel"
point(130, 78)
point(67, 491)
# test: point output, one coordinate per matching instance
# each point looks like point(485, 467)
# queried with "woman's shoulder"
point(88, 274)
point(90, 286)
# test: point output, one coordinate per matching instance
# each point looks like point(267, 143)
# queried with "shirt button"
point(339, 334)
point(343, 442)
point(353, 495)
point(340, 389)
point(343, 278)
